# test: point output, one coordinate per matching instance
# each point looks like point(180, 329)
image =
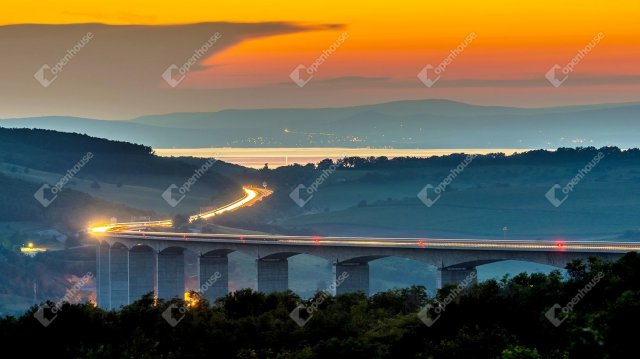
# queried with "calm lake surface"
point(276, 157)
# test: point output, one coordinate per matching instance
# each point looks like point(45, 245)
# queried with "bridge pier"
point(273, 275)
point(142, 271)
point(103, 285)
point(118, 276)
point(214, 277)
point(456, 276)
point(356, 277)
point(171, 273)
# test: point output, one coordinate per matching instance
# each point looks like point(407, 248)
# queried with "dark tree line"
point(535, 157)
point(493, 319)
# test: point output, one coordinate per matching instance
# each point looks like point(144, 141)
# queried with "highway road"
point(251, 196)
point(381, 242)
point(140, 231)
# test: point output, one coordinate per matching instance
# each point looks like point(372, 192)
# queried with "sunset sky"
point(388, 44)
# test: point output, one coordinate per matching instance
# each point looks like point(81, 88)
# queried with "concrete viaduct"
point(132, 263)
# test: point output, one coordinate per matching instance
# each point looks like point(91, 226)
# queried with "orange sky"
point(516, 41)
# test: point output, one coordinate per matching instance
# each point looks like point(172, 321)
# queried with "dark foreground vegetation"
point(494, 319)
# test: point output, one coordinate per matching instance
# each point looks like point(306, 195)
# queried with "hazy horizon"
point(488, 105)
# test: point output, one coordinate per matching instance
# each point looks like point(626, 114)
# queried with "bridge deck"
point(380, 242)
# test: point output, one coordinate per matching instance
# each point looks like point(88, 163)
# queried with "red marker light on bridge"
point(242, 239)
point(560, 245)
point(421, 243)
point(316, 240)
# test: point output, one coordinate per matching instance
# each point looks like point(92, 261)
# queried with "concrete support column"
point(464, 276)
point(103, 287)
point(214, 277)
point(171, 273)
point(273, 275)
point(356, 277)
point(119, 276)
point(142, 268)
point(191, 271)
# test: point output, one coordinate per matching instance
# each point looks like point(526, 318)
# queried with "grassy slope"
point(140, 196)
point(480, 202)
point(142, 176)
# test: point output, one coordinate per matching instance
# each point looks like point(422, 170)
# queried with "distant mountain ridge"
point(402, 124)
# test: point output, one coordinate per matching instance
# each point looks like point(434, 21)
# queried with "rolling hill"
point(404, 124)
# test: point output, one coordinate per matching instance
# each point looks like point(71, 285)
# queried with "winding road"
point(251, 196)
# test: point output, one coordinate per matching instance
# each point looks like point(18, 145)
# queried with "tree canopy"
point(492, 319)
